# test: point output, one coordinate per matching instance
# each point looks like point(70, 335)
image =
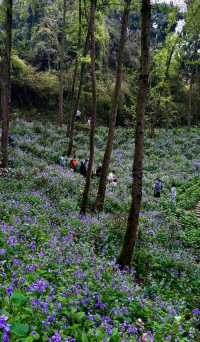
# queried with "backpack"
point(73, 163)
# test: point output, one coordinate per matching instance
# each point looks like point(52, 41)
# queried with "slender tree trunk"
point(77, 55)
point(93, 118)
point(169, 58)
point(76, 65)
point(77, 102)
point(189, 116)
point(6, 84)
point(133, 219)
point(61, 76)
point(85, 10)
point(162, 89)
point(152, 126)
point(196, 93)
point(108, 151)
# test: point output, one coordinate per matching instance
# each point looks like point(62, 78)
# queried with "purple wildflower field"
point(58, 272)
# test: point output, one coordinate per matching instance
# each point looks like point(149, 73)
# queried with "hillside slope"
point(58, 273)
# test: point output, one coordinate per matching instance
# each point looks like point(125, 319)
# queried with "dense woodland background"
point(37, 40)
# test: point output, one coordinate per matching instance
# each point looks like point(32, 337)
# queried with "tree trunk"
point(61, 76)
point(76, 64)
point(6, 84)
point(77, 102)
point(85, 10)
point(108, 151)
point(93, 118)
point(77, 55)
point(133, 219)
point(169, 59)
point(189, 116)
point(162, 89)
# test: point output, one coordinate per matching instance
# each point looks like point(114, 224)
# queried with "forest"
point(100, 170)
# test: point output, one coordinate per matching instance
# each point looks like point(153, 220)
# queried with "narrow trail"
point(198, 210)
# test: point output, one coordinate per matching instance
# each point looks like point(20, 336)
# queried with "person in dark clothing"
point(157, 188)
point(98, 171)
point(11, 141)
point(83, 169)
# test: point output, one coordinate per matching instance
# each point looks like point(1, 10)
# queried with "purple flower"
point(49, 320)
point(33, 245)
point(3, 323)
point(79, 274)
point(99, 304)
point(132, 329)
point(5, 327)
point(6, 337)
point(12, 241)
point(109, 329)
point(41, 254)
point(9, 290)
point(31, 268)
point(35, 303)
point(56, 337)
point(39, 285)
point(147, 337)
point(3, 228)
point(2, 251)
point(16, 262)
point(196, 312)
point(68, 238)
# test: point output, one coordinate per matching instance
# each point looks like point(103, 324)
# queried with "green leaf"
point(18, 298)
point(115, 335)
point(84, 337)
point(78, 316)
point(19, 329)
point(85, 59)
point(100, 334)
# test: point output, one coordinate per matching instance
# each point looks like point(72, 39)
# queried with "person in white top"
point(173, 193)
point(112, 178)
point(62, 161)
point(89, 122)
point(78, 114)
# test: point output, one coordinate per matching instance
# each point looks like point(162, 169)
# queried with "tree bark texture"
point(189, 116)
point(77, 102)
point(93, 118)
point(77, 55)
point(61, 76)
point(6, 84)
point(133, 219)
point(109, 146)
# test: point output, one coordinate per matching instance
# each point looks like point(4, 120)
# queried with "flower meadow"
point(58, 273)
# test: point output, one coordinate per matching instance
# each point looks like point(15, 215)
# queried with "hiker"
point(78, 115)
point(157, 188)
point(89, 122)
point(74, 163)
point(173, 193)
point(112, 178)
point(62, 161)
point(98, 171)
point(83, 169)
point(11, 141)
